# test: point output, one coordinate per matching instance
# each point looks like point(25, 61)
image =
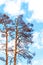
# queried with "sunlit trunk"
point(15, 51)
point(6, 48)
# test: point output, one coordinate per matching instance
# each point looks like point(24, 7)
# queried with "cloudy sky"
point(33, 13)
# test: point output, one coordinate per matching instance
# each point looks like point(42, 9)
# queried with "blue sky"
point(33, 13)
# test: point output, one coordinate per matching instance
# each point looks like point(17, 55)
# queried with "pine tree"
point(22, 36)
point(5, 21)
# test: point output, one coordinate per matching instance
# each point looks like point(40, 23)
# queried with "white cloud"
point(41, 37)
point(19, 63)
point(2, 2)
point(38, 62)
point(37, 7)
point(29, 20)
point(38, 40)
point(36, 37)
point(13, 7)
point(35, 62)
point(42, 41)
point(10, 44)
point(26, 1)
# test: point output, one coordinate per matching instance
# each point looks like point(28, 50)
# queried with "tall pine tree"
point(21, 33)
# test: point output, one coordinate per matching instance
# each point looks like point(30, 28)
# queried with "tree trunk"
point(15, 51)
point(6, 48)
